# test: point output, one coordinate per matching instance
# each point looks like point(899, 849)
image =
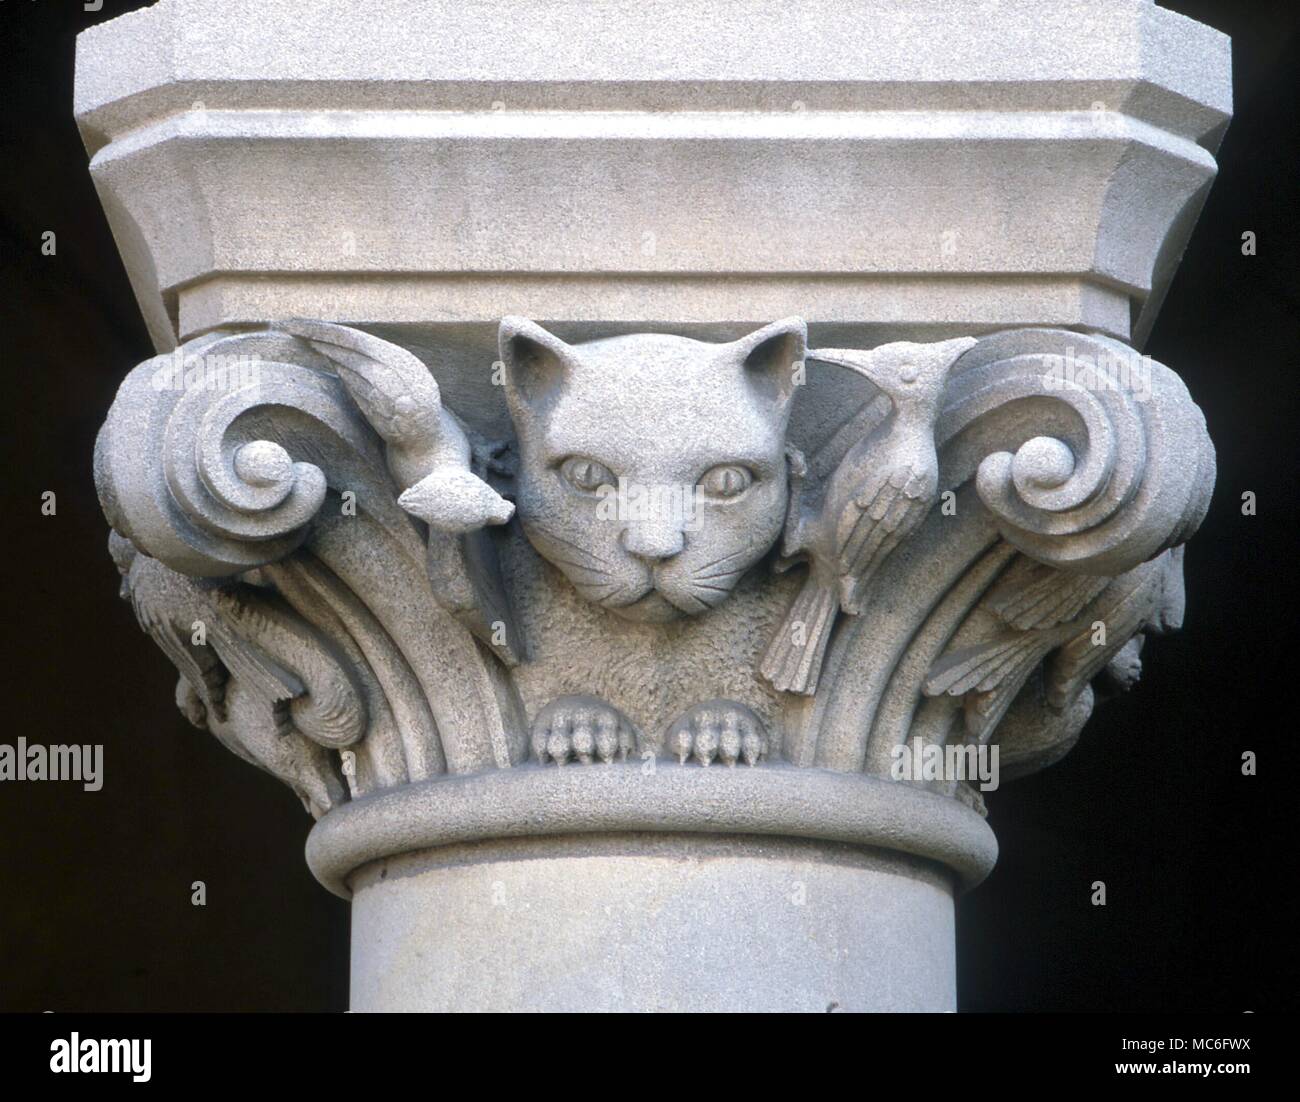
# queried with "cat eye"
point(726, 480)
point(586, 474)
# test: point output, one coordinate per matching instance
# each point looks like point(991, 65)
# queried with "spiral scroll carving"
point(1102, 459)
point(195, 462)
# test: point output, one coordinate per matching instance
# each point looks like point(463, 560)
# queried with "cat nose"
point(653, 542)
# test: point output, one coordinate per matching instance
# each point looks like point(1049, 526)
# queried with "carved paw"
point(717, 729)
point(582, 728)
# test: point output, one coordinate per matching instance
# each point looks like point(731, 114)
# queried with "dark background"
point(1198, 860)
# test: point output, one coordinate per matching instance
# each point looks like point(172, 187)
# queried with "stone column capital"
point(578, 428)
point(333, 560)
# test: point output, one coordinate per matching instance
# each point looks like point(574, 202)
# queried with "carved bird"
point(436, 467)
point(1036, 608)
point(1149, 597)
point(881, 490)
point(429, 452)
point(1079, 624)
point(231, 685)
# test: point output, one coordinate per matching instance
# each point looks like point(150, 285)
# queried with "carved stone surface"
point(879, 923)
point(885, 170)
point(688, 587)
point(331, 503)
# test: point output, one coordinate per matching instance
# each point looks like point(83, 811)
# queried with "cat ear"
point(772, 358)
point(534, 360)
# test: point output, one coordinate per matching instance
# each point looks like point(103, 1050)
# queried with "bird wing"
point(989, 676)
point(197, 665)
point(1129, 601)
point(392, 387)
point(247, 662)
point(873, 523)
point(194, 664)
point(983, 667)
point(1037, 596)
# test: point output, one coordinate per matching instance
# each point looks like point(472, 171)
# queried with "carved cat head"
point(653, 468)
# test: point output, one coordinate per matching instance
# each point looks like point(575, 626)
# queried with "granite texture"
point(885, 170)
point(584, 452)
point(663, 924)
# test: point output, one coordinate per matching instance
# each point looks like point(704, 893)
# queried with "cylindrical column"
point(613, 887)
point(653, 922)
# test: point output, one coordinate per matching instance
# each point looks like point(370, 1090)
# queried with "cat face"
point(653, 469)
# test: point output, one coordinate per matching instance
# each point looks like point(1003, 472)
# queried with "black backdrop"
point(95, 909)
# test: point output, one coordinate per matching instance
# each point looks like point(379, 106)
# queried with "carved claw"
point(718, 730)
point(582, 728)
point(487, 458)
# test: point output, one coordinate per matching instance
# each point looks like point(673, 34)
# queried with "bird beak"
point(956, 348)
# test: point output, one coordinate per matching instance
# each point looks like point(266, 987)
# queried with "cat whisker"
point(723, 558)
point(723, 589)
point(548, 536)
point(600, 581)
point(718, 574)
point(580, 566)
point(597, 589)
point(704, 605)
point(620, 598)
